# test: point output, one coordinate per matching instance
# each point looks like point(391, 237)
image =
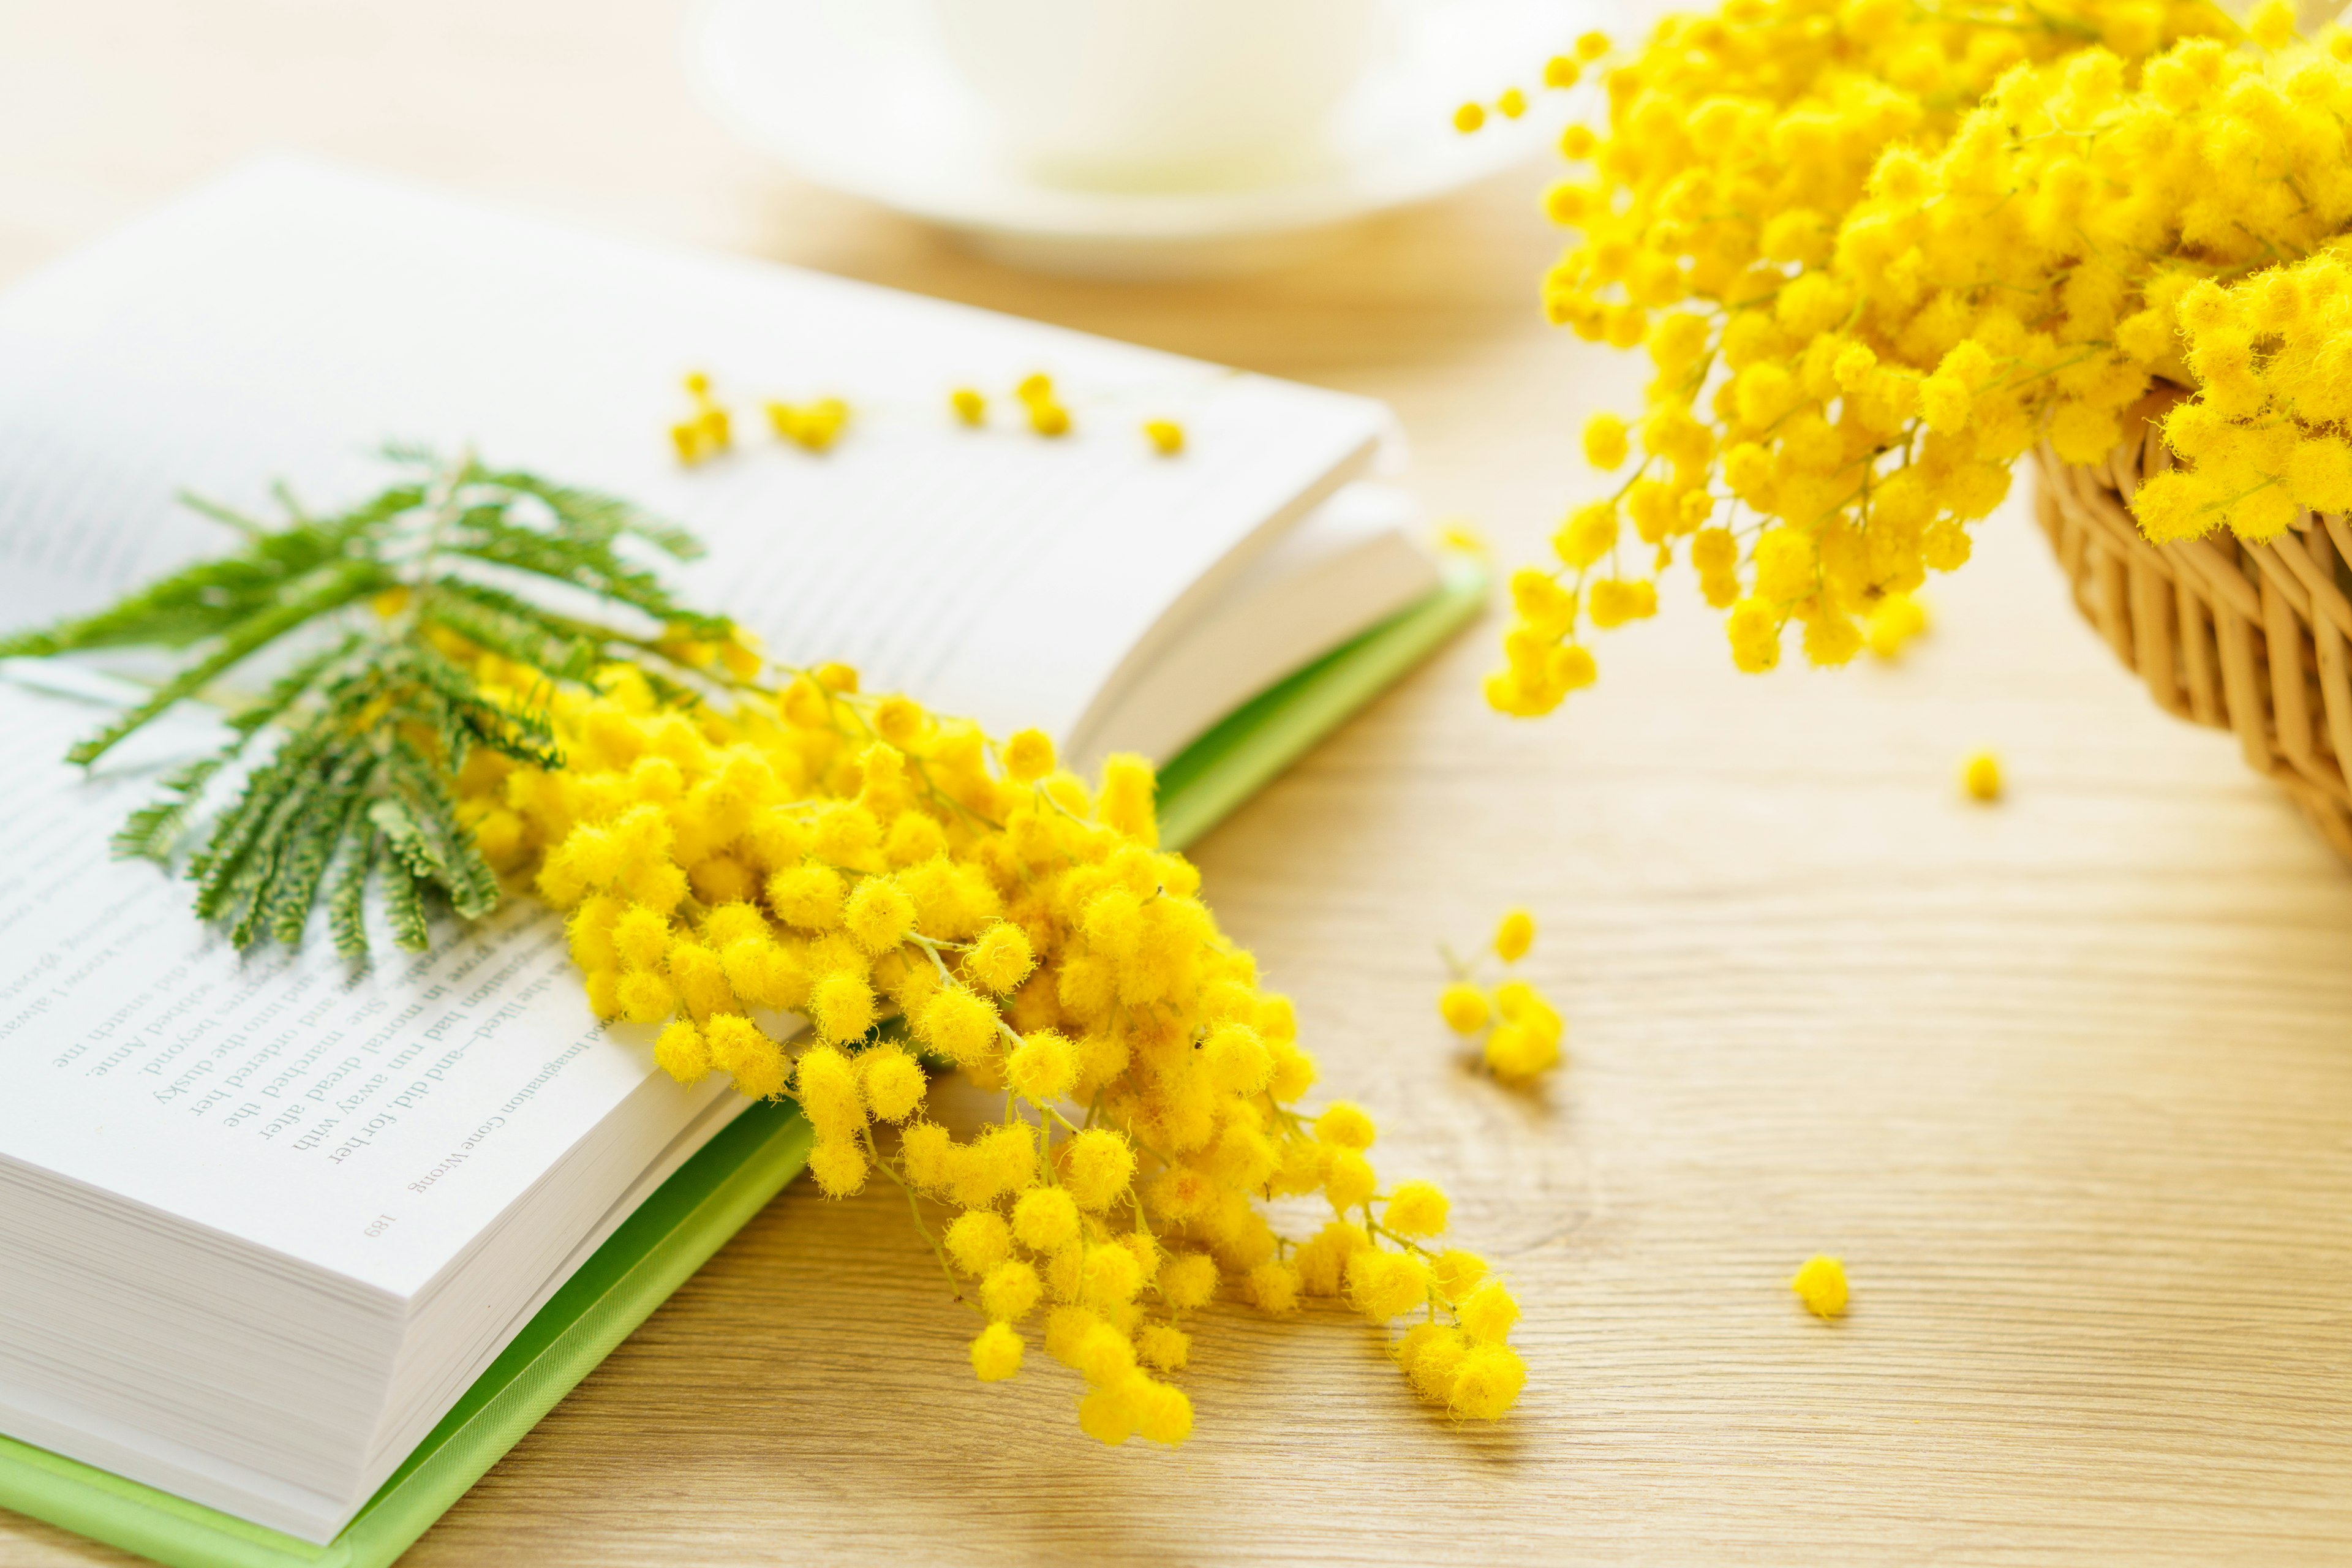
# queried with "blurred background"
point(646, 116)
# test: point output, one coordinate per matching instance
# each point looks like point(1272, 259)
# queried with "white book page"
point(369, 1123)
point(287, 320)
point(1349, 566)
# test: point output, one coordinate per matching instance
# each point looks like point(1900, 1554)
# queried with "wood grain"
point(2068, 1081)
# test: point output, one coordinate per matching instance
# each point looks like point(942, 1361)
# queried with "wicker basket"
point(2243, 636)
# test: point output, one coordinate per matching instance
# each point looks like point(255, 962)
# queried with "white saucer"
point(856, 96)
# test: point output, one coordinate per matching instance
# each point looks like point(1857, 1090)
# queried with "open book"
point(264, 1224)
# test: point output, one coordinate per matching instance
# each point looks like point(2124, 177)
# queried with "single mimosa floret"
point(1980, 776)
point(1820, 1284)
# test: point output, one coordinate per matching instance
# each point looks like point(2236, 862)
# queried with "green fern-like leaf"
point(154, 830)
point(358, 743)
point(404, 906)
point(347, 899)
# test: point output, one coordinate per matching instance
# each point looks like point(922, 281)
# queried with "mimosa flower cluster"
point(822, 895)
point(2265, 433)
point(925, 896)
point(1522, 1030)
point(1876, 251)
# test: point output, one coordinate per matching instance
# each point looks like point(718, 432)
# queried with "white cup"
point(1160, 94)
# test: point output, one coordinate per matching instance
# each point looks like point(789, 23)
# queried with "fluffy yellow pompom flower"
point(958, 1024)
point(1029, 756)
point(1820, 1284)
point(1042, 1068)
point(2272, 24)
point(1345, 1126)
point(1430, 1355)
point(680, 1052)
point(893, 1082)
point(979, 1240)
point(1187, 1281)
point(1162, 1347)
point(839, 1165)
point(1755, 633)
point(996, 1352)
point(1487, 1312)
point(1002, 957)
point(826, 1082)
point(878, 914)
point(739, 1048)
point(1605, 441)
point(1384, 1285)
point(1980, 776)
point(808, 896)
point(969, 406)
point(1517, 1054)
point(640, 936)
point(1236, 1060)
point(1589, 533)
point(1046, 1219)
point(811, 426)
point(1167, 436)
point(1348, 1179)
point(1415, 1208)
point(1613, 601)
point(1273, 1287)
point(1109, 1277)
point(1011, 1290)
point(1894, 623)
point(1456, 1273)
point(1464, 1008)
point(841, 1005)
point(1100, 1165)
point(645, 997)
point(1513, 936)
point(1486, 1383)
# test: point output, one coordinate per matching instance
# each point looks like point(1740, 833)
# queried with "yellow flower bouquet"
point(1877, 251)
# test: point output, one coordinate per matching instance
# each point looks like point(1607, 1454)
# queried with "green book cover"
point(710, 1197)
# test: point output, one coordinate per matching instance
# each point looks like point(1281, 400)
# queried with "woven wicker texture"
point(2244, 637)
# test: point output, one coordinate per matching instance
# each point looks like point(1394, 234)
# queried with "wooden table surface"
point(2067, 1081)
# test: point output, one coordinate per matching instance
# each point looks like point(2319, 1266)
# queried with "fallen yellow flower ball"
point(1514, 934)
point(706, 432)
point(1820, 1284)
point(1464, 1008)
point(1980, 776)
point(1893, 622)
point(1525, 1041)
point(812, 427)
